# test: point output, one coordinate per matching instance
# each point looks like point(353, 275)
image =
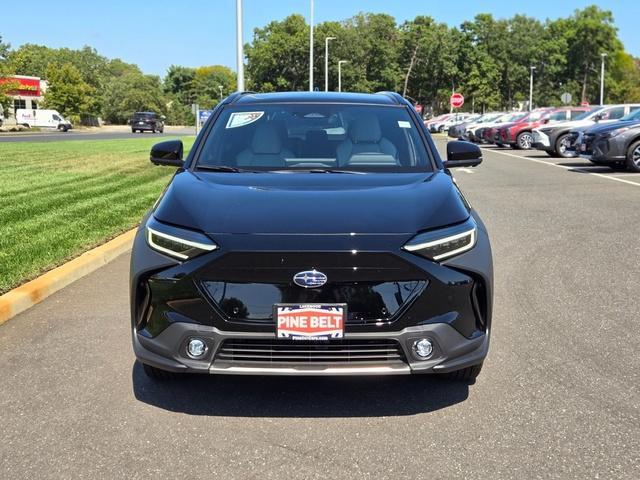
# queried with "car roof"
point(145, 113)
point(381, 98)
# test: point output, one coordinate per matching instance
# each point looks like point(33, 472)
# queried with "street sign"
point(456, 100)
point(566, 98)
point(203, 116)
point(418, 108)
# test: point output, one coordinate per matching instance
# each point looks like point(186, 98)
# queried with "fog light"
point(423, 347)
point(196, 348)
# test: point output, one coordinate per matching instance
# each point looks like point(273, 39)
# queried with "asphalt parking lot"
point(558, 397)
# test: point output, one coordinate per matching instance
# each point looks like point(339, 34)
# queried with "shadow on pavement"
point(265, 396)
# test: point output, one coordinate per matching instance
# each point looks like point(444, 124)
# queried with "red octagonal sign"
point(456, 100)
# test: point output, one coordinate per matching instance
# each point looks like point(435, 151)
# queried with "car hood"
point(307, 203)
point(607, 127)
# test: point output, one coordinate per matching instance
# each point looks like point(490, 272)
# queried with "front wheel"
point(468, 374)
point(562, 146)
point(633, 157)
point(524, 140)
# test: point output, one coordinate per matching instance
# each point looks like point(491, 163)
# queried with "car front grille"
point(377, 288)
point(288, 352)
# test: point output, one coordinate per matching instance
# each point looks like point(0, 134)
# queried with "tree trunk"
point(584, 82)
point(411, 63)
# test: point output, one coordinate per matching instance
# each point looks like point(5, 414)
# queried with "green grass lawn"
point(59, 199)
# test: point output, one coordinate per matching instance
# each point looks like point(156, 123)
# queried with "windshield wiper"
point(220, 168)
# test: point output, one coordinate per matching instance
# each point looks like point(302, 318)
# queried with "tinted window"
point(558, 116)
point(312, 136)
point(56, 117)
point(614, 113)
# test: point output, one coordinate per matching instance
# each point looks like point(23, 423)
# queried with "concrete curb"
point(25, 296)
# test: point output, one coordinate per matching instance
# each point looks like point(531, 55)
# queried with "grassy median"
point(59, 199)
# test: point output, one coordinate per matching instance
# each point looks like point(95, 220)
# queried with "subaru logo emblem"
point(310, 279)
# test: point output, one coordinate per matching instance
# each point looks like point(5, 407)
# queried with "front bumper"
point(541, 141)
point(452, 351)
point(221, 297)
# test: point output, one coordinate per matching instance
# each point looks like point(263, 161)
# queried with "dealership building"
point(29, 93)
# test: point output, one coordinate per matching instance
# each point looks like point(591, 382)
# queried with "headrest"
point(365, 129)
point(266, 139)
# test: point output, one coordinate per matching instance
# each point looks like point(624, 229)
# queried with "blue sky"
point(157, 34)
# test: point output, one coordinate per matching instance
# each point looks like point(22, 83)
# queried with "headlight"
point(617, 131)
point(444, 243)
point(176, 242)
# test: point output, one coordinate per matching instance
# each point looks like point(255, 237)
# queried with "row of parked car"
point(606, 135)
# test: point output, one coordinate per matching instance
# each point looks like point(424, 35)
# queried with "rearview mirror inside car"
point(168, 153)
point(462, 154)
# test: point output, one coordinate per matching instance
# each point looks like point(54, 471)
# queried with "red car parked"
point(519, 134)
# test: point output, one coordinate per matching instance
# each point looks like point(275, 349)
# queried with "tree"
point(68, 92)
point(133, 92)
point(5, 86)
point(591, 32)
point(278, 56)
point(207, 82)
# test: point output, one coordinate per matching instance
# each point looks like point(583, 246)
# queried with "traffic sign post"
point(456, 100)
point(566, 98)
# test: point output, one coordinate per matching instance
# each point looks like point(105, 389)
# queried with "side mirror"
point(168, 153)
point(462, 154)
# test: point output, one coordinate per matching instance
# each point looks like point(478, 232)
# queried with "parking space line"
point(579, 169)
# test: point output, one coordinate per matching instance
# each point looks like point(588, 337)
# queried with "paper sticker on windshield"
point(240, 119)
point(404, 124)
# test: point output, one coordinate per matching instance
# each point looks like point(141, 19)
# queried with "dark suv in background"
point(142, 121)
point(615, 144)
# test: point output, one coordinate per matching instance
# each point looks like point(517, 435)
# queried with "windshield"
point(316, 137)
point(635, 115)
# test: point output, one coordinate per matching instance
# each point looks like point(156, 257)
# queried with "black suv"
point(151, 121)
point(312, 234)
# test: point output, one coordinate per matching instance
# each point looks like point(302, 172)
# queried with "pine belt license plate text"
point(310, 321)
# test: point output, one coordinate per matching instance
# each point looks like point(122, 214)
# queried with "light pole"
point(239, 47)
point(531, 88)
point(602, 55)
point(220, 87)
point(311, 49)
point(326, 62)
point(340, 73)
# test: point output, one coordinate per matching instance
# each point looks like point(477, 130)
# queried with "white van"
point(42, 118)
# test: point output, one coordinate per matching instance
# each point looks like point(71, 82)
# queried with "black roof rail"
point(235, 95)
point(399, 99)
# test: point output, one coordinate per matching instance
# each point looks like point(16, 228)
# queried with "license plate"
point(140, 123)
point(310, 321)
point(583, 147)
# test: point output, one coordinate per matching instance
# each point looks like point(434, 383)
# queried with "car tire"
point(468, 374)
point(153, 130)
point(158, 374)
point(550, 153)
point(561, 148)
point(633, 157)
point(524, 140)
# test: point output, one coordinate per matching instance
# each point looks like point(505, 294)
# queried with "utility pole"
point(340, 73)
point(239, 47)
point(602, 55)
point(311, 49)
point(326, 62)
point(532, 68)
point(220, 87)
